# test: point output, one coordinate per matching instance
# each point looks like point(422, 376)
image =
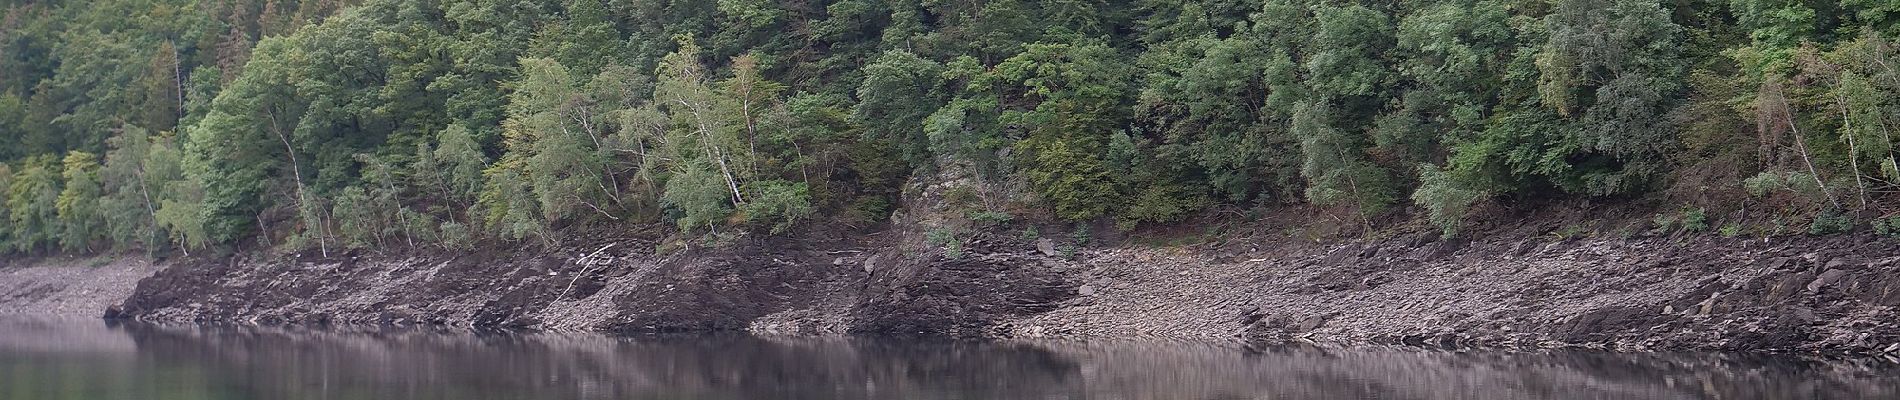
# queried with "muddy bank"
point(68, 286)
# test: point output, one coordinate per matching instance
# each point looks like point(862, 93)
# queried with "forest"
point(181, 125)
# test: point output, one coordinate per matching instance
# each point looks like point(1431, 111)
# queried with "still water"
point(44, 359)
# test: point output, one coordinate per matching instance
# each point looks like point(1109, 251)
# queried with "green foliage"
point(182, 124)
point(1887, 226)
point(900, 89)
point(1831, 222)
point(1764, 183)
point(1076, 107)
point(355, 217)
point(1336, 175)
point(1664, 222)
point(1081, 235)
point(555, 139)
point(1767, 183)
point(456, 236)
point(1570, 231)
point(78, 203)
point(700, 197)
point(962, 196)
point(507, 203)
point(125, 205)
point(458, 162)
point(778, 204)
point(32, 205)
point(1695, 219)
point(990, 218)
point(1446, 200)
point(947, 239)
point(178, 198)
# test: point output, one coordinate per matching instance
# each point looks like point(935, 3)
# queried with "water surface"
point(44, 359)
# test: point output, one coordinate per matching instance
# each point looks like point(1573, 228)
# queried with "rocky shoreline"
point(70, 286)
point(1833, 294)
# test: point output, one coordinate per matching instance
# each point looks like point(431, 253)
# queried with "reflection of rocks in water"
point(1142, 371)
point(266, 363)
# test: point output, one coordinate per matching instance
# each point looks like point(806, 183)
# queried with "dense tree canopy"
point(172, 125)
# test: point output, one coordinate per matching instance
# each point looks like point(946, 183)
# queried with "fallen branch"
point(584, 267)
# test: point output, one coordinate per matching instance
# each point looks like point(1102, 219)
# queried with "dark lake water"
point(44, 359)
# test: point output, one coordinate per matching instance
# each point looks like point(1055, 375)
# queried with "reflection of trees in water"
point(266, 363)
point(285, 364)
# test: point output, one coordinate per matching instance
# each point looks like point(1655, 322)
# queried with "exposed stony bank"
point(69, 286)
point(1835, 294)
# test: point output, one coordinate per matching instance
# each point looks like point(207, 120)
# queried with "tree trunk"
point(323, 240)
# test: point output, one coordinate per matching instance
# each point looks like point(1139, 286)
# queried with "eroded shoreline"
point(1833, 294)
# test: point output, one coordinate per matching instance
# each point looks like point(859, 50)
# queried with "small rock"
point(1251, 315)
point(1803, 314)
point(1837, 262)
point(1826, 278)
point(1312, 322)
point(1033, 332)
point(1047, 247)
point(1778, 263)
point(837, 261)
point(1669, 309)
point(1086, 290)
point(1523, 248)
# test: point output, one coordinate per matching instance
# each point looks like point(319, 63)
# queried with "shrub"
point(1568, 232)
point(1664, 222)
point(457, 236)
point(778, 204)
point(869, 209)
point(962, 196)
point(1830, 222)
point(1762, 183)
point(1887, 226)
point(947, 239)
point(1160, 201)
point(1444, 199)
point(1695, 219)
point(1081, 236)
point(698, 196)
point(990, 218)
point(954, 249)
